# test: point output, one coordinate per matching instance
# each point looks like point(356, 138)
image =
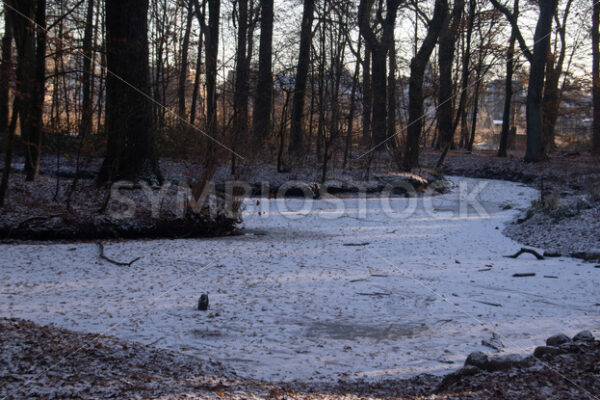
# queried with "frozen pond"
point(318, 289)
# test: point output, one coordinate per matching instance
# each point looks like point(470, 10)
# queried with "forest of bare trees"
point(329, 84)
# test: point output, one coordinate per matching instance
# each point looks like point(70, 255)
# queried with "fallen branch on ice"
point(488, 303)
point(525, 250)
point(110, 260)
point(374, 294)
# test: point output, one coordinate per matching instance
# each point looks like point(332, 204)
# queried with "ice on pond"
point(424, 282)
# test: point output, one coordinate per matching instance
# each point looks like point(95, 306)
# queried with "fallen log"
point(523, 275)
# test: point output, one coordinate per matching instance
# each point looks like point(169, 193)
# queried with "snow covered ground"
point(316, 289)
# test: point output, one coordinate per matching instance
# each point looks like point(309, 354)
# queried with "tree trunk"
point(461, 116)
point(210, 62)
point(391, 94)
point(8, 151)
point(415, 91)
point(130, 153)
point(379, 80)
point(474, 117)
point(535, 144)
point(85, 126)
point(350, 123)
point(184, 61)
point(508, 92)
point(552, 93)
point(34, 147)
point(296, 145)
point(366, 96)
point(23, 30)
point(596, 77)
point(379, 50)
point(5, 70)
point(200, 16)
point(445, 111)
point(508, 88)
point(264, 87)
point(551, 103)
point(240, 95)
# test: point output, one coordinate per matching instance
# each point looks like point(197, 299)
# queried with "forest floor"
point(51, 363)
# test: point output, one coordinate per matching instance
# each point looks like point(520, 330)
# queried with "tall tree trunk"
point(350, 122)
point(379, 82)
point(366, 96)
point(508, 92)
point(508, 87)
point(552, 93)
point(391, 94)
point(196, 90)
point(535, 144)
point(379, 51)
point(475, 115)
point(185, 47)
point(200, 16)
point(264, 87)
point(551, 104)
point(34, 148)
point(211, 55)
point(8, 151)
point(445, 110)
point(240, 95)
point(461, 116)
point(296, 145)
point(23, 29)
point(415, 91)
point(130, 152)
point(596, 77)
point(5, 70)
point(85, 126)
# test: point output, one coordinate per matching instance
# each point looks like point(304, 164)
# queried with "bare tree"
point(211, 54)
point(85, 126)
point(537, 59)
point(508, 86)
point(264, 87)
point(445, 110)
point(415, 91)
point(296, 145)
point(554, 71)
point(379, 48)
point(242, 70)
point(30, 39)
point(5, 70)
point(183, 70)
point(596, 77)
point(130, 152)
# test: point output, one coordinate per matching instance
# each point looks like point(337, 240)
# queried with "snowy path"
point(291, 301)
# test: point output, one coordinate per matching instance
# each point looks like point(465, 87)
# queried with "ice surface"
point(415, 292)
